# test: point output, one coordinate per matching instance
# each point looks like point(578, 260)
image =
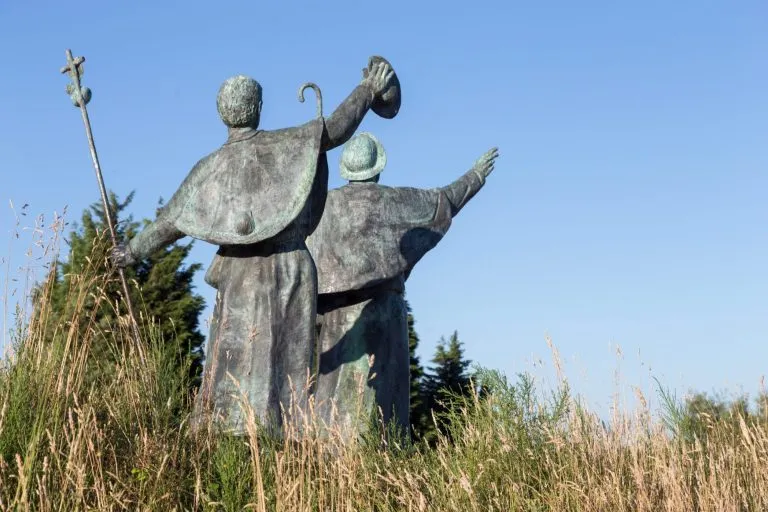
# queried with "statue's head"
point(363, 158)
point(239, 102)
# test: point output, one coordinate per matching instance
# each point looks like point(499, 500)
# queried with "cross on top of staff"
point(74, 66)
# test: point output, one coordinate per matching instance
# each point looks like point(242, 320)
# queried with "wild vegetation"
point(119, 439)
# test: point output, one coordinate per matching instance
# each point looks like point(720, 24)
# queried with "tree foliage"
point(161, 290)
point(418, 404)
point(434, 392)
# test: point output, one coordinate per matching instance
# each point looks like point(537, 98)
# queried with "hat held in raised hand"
point(387, 105)
point(363, 158)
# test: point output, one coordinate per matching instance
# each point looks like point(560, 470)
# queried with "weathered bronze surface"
point(258, 197)
point(366, 245)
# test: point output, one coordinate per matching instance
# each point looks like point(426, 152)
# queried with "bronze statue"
point(258, 197)
point(366, 245)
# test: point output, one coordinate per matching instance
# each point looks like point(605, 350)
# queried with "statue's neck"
point(375, 179)
point(238, 134)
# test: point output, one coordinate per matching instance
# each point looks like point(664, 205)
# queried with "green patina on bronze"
point(258, 197)
point(366, 245)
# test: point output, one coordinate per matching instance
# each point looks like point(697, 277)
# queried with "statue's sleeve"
point(341, 125)
point(160, 233)
point(463, 189)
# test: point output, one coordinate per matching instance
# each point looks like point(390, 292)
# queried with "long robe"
point(366, 245)
point(364, 360)
point(260, 347)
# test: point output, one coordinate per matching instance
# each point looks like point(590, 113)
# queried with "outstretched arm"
point(462, 190)
point(341, 125)
point(160, 233)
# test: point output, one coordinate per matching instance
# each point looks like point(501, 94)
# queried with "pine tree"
point(447, 379)
point(418, 409)
point(450, 373)
point(165, 289)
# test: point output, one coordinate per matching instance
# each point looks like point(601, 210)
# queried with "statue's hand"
point(484, 164)
point(378, 77)
point(121, 256)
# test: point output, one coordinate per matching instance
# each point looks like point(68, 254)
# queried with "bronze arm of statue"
point(463, 189)
point(158, 234)
point(341, 125)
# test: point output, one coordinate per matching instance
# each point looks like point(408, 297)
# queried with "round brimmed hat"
point(362, 158)
point(387, 105)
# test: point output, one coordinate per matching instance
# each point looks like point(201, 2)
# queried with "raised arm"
point(463, 189)
point(160, 233)
point(341, 125)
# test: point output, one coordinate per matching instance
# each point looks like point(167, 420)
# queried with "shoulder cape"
point(370, 233)
point(249, 191)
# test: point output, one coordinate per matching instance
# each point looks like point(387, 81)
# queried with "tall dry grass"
point(123, 442)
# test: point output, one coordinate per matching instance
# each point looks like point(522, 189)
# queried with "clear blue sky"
point(629, 205)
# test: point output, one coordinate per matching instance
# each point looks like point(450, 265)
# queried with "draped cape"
point(251, 189)
point(370, 233)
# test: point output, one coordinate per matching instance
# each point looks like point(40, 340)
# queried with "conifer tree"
point(418, 406)
point(165, 290)
point(447, 379)
point(450, 373)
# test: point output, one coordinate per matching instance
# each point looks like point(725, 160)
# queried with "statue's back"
point(370, 233)
point(248, 190)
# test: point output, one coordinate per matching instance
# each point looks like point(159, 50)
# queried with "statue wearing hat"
point(258, 197)
point(366, 245)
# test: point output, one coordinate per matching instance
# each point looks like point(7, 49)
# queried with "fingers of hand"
point(369, 73)
point(383, 73)
point(374, 76)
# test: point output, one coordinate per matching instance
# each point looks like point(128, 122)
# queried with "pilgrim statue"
point(258, 197)
point(365, 247)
